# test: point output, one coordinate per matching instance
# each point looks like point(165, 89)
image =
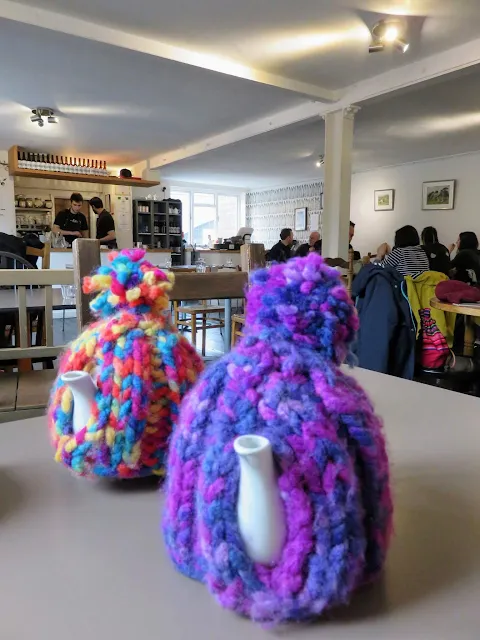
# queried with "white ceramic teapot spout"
point(83, 389)
point(261, 518)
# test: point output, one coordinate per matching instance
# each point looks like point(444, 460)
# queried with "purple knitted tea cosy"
point(283, 381)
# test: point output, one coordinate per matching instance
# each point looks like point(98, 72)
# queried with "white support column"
point(338, 179)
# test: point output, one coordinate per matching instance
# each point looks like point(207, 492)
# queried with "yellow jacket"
point(420, 291)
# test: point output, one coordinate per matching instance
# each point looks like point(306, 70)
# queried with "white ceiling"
point(427, 121)
point(117, 104)
point(322, 42)
point(136, 93)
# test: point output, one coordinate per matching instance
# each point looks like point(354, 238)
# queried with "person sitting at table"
point(407, 256)
point(438, 254)
point(71, 223)
point(466, 263)
point(304, 249)
point(282, 251)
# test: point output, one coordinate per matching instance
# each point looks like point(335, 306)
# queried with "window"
point(207, 216)
point(184, 196)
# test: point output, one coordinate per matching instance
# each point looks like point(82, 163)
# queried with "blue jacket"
point(387, 335)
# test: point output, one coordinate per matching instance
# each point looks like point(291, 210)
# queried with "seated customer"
point(466, 264)
point(438, 255)
point(304, 249)
point(407, 256)
point(281, 252)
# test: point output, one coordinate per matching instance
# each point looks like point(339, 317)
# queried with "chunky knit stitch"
point(143, 367)
point(283, 381)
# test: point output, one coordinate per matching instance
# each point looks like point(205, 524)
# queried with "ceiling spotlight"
point(376, 47)
point(391, 33)
point(401, 45)
point(320, 161)
point(39, 113)
point(388, 32)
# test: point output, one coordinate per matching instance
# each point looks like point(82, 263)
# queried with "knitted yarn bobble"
point(143, 367)
point(283, 381)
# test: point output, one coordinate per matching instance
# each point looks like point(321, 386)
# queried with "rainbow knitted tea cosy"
point(143, 367)
point(283, 381)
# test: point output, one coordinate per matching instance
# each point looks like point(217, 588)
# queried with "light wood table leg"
point(469, 336)
point(194, 330)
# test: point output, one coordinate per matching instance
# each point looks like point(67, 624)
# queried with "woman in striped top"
point(407, 256)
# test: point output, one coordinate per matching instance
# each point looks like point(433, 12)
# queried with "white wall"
point(7, 198)
point(374, 227)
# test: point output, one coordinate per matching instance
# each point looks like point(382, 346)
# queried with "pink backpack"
point(434, 348)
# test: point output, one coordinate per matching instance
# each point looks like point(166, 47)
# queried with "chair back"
point(344, 264)
point(13, 261)
point(44, 254)
point(86, 258)
point(252, 256)
point(22, 298)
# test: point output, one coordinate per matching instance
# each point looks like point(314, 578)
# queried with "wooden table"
point(469, 312)
point(86, 560)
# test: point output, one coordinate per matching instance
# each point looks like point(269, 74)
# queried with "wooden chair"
point(344, 264)
point(44, 254)
point(238, 321)
point(217, 286)
point(210, 315)
point(210, 318)
point(25, 394)
point(252, 256)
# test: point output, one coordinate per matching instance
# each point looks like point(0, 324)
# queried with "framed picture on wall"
point(438, 195)
point(301, 219)
point(384, 200)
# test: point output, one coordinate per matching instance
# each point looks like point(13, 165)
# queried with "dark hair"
point(125, 173)
point(303, 251)
point(96, 203)
point(318, 246)
point(76, 197)
point(468, 240)
point(429, 236)
point(407, 236)
point(352, 224)
point(285, 233)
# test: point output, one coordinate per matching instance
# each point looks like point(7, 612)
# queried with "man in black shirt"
point(282, 251)
point(71, 223)
point(105, 224)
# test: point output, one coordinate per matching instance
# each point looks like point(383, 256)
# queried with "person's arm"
point(110, 237)
point(84, 232)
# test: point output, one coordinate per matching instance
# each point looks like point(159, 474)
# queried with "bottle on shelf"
point(20, 159)
point(105, 170)
point(84, 167)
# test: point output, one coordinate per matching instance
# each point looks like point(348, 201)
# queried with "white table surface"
point(35, 299)
point(83, 560)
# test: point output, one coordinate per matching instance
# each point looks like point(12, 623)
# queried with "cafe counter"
point(61, 258)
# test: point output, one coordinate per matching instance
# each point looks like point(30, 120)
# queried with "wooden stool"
point(203, 310)
point(238, 321)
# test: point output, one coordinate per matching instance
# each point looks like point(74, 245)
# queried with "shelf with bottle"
point(32, 210)
point(50, 162)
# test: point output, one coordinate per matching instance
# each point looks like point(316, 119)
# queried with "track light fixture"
point(39, 113)
point(320, 161)
point(388, 32)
